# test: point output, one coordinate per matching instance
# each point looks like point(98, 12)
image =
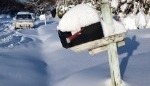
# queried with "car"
point(24, 20)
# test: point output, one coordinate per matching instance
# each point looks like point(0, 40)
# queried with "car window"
point(24, 16)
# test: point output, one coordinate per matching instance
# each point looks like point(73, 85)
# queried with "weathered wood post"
point(100, 44)
point(112, 48)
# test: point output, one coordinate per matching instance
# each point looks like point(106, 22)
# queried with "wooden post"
point(45, 19)
point(112, 48)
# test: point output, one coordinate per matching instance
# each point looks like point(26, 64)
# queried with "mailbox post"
point(112, 48)
point(92, 38)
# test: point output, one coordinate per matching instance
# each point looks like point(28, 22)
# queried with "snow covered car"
point(24, 20)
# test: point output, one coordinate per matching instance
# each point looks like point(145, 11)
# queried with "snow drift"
point(10, 38)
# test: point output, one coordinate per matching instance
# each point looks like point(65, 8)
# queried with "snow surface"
point(129, 22)
point(148, 21)
point(43, 62)
point(141, 20)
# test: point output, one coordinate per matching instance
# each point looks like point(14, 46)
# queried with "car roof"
point(23, 13)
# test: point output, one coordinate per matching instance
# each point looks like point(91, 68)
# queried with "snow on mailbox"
point(81, 29)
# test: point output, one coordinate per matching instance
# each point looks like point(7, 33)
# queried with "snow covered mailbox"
point(80, 29)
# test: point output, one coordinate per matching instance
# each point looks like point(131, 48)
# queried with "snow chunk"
point(42, 17)
point(129, 1)
point(148, 23)
point(124, 7)
point(79, 16)
point(141, 20)
point(122, 1)
point(108, 83)
point(129, 22)
point(118, 28)
point(115, 3)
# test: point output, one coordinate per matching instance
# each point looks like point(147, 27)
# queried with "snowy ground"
point(36, 58)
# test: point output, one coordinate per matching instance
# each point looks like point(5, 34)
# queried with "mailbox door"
point(63, 36)
point(88, 33)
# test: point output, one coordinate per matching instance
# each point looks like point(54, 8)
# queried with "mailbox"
point(91, 33)
point(86, 34)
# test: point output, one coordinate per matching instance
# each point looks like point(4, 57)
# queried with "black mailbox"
point(86, 34)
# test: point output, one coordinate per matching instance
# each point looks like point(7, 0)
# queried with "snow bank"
point(10, 38)
point(129, 22)
point(133, 21)
point(108, 83)
point(118, 28)
point(141, 20)
point(148, 22)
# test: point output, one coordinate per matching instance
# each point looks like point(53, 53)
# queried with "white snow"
point(42, 17)
point(129, 22)
point(108, 83)
point(79, 16)
point(124, 7)
point(128, 1)
point(141, 20)
point(118, 27)
point(148, 24)
point(122, 1)
point(114, 3)
point(148, 21)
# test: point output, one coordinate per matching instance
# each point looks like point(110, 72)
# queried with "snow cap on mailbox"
point(81, 24)
point(79, 16)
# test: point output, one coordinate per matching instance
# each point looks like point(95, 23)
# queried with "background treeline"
point(123, 7)
point(10, 6)
point(47, 6)
point(38, 6)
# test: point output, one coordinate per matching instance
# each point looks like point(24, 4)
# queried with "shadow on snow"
point(130, 46)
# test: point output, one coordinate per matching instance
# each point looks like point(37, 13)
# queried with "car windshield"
point(24, 16)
